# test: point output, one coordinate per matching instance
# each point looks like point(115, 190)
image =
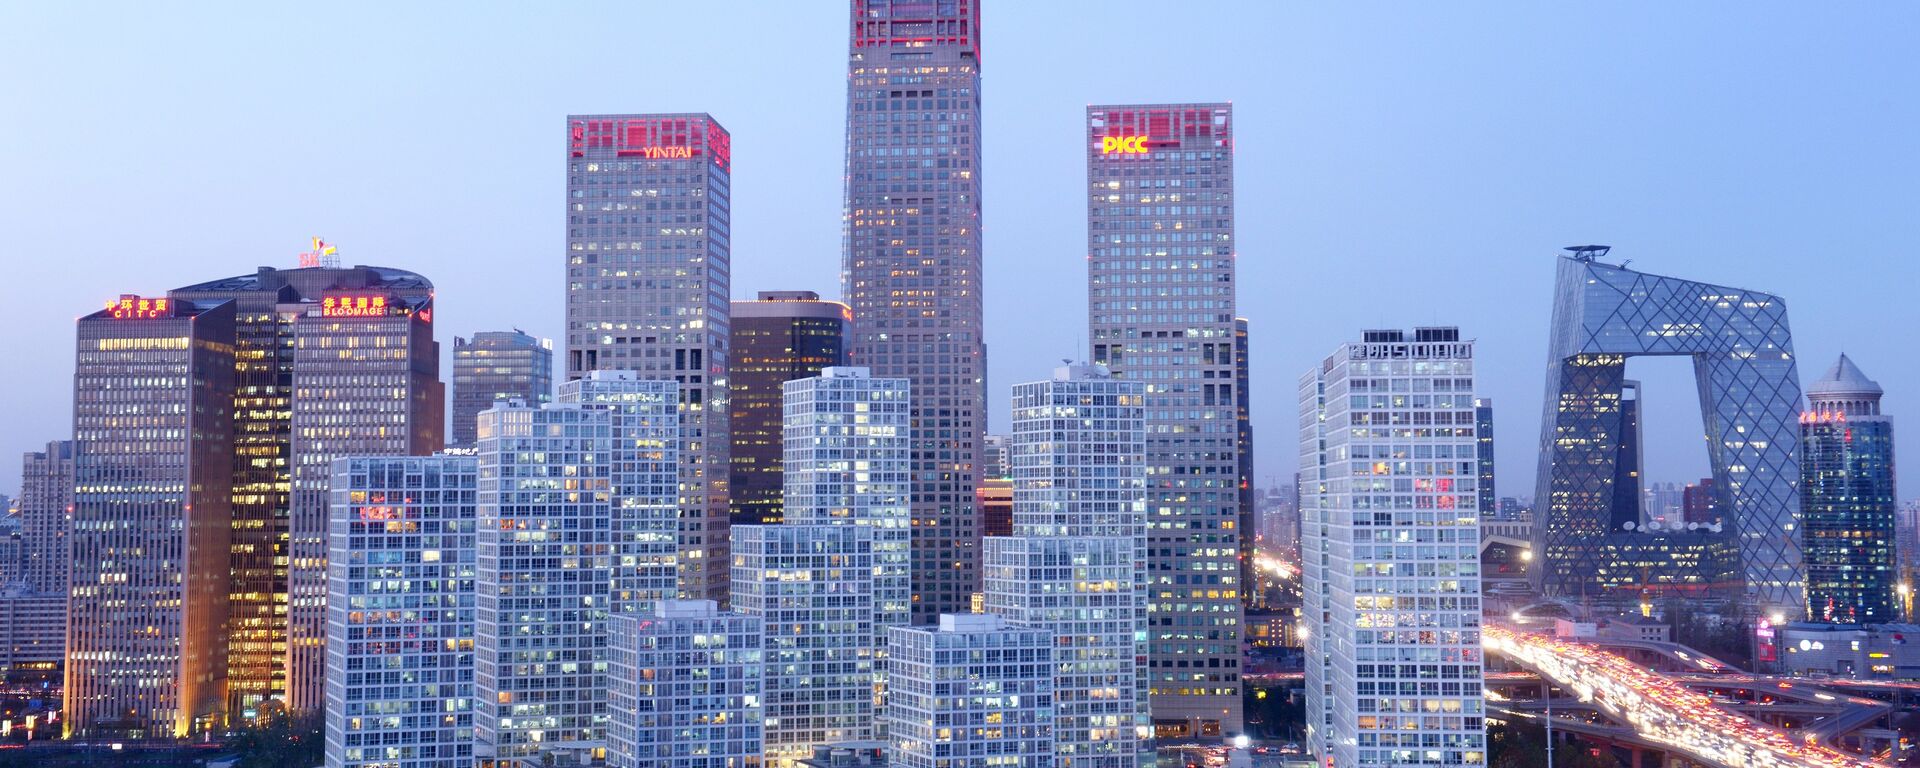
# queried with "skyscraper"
point(366, 382)
point(1073, 566)
point(1847, 500)
point(1243, 450)
point(152, 519)
point(496, 366)
point(1742, 352)
point(1483, 434)
point(648, 276)
point(543, 566)
point(686, 682)
point(645, 454)
point(1161, 302)
point(912, 263)
point(46, 501)
point(997, 715)
point(785, 335)
point(268, 304)
point(400, 612)
point(1388, 442)
point(848, 462)
point(813, 587)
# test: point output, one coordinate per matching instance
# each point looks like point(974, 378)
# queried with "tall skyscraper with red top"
point(648, 276)
point(912, 266)
point(1160, 273)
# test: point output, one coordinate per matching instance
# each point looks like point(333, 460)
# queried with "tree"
point(293, 741)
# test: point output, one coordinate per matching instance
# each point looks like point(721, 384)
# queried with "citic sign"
point(1123, 145)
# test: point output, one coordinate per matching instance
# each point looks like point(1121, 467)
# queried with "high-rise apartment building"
point(268, 304)
point(1160, 272)
point(848, 461)
point(400, 597)
point(152, 519)
point(645, 453)
point(812, 585)
point(648, 275)
point(366, 382)
point(996, 714)
point(1392, 583)
point(494, 367)
point(1749, 389)
point(782, 336)
point(543, 569)
point(1483, 434)
point(685, 686)
point(1847, 500)
point(1074, 565)
point(912, 265)
point(46, 503)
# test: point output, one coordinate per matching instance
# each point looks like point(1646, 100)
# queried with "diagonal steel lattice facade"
point(1749, 389)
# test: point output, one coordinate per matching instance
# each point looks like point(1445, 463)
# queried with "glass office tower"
point(1742, 353)
point(648, 274)
point(781, 336)
point(912, 264)
point(152, 520)
point(493, 367)
point(1160, 272)
point(1848, 501)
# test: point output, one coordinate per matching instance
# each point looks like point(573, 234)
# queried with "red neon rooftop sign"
point(653, 138)
point(131, 307)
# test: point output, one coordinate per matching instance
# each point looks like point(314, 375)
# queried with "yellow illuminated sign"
point(1123, 145)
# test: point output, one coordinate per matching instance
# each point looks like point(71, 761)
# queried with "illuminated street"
point(1660, 709)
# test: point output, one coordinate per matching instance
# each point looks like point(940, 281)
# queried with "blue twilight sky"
point(1399, 164)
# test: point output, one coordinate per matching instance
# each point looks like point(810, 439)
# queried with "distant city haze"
point(1397, 165)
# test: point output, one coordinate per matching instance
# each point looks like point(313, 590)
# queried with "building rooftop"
point(1844, 379)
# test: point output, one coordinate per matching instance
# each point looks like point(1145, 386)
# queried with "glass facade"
point(268, 302)
point(400, 597)
point(649, 272)
point(685, 686)
point(646, 463)
point(1391, 589)
point(543, 566)
point(496, 366)
point(366, 382)
point(1848, 500)
point(1742, 353)
point(911, 269)
point(1160, 273)
point(972, 691)
point(785, 335)
point(152, 520)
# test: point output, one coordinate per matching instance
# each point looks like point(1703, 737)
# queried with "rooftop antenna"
point(1587, 253)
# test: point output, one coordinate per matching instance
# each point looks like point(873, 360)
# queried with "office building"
point(46, 501)
point(685, 685)
point(1243, 450)
point(1388, 443)
point(1742, 353)
point(152, 520)
point(1665, 501)
point(782, 336)
point(645, 454)
point(994, 458)
point(400, 605)
point(543, 567)
point(33, 634)
point(848, 459)
point(1483, 435)
point(1700, 503)
point(995, 497)
point(972, 692)
point(494, 367)
point(269, 304)
point(1160, 226)
point(1073, 566)
point(366, 382)
point(912, 267)
point(1847, 500)
point(648, 276)
point(812, 585)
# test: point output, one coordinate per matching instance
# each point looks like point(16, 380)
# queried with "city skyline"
point(347, 156)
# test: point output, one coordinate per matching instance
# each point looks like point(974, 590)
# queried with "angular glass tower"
point(1743, 361)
